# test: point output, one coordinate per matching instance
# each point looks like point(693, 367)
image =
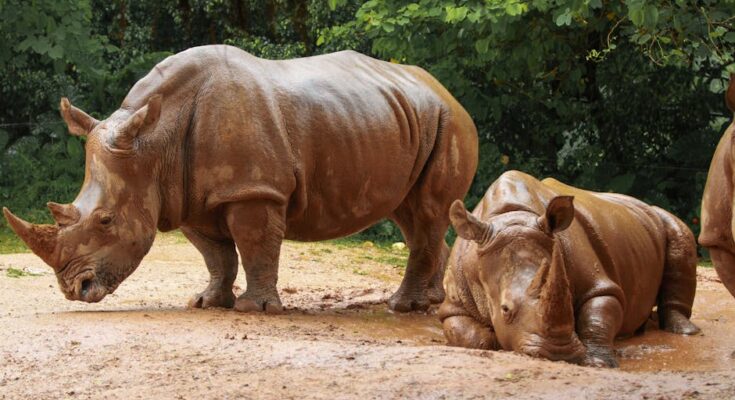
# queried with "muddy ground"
point(336, 340)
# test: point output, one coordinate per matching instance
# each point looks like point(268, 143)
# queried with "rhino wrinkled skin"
point(717, 203)
point(557, 272)
point(241, 153)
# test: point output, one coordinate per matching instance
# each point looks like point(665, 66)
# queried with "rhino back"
point(339, 139)
point(623, 243)
point(361, 131)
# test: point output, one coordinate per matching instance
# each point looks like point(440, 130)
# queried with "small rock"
point(398, 246)
point(367, 244)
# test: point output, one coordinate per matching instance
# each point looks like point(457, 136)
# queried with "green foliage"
point(10, 243)
point(608, 95)
point(612, 96)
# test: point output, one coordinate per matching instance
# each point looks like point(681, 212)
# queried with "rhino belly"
point(342, 206)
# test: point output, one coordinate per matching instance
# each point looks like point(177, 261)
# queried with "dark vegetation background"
point(609, 95)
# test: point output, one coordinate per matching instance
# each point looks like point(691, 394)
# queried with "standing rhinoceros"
point(242, 152)
point(557, 272)
point(717, 203)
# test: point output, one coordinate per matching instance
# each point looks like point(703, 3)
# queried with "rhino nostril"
point(85, 286)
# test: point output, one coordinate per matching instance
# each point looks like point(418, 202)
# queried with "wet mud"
point(336, 339)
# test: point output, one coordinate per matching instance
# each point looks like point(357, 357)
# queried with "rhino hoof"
point(405, 303)
point(436, 294)
point(600, 362)
point(249, 305)
point(209, 300)
point(675, 322)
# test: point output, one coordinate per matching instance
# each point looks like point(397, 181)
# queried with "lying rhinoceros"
point(557, 272)
point(717, 201)
point(241, 152)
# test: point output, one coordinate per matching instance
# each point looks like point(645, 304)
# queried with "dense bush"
point(606, 95)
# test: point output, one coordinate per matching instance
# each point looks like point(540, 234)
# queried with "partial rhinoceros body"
point(239, 151)
point(717, 204)
point(557, 272)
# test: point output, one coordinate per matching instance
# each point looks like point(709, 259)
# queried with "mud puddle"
point(712, 350)
point(653, 351)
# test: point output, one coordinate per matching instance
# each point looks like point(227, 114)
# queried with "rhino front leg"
point(599, 321)
point(724, 262)
point(464, 331)
point(258, 228)
point(221, 259)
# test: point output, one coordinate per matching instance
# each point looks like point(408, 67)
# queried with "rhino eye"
point(507, 314)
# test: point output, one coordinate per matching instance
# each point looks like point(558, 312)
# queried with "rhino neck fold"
point(172, 193)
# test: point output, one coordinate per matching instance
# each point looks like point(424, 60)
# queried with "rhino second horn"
point(41, 239)
point(64, 214)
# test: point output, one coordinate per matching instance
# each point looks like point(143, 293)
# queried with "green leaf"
point(636, 13)
point(650, 16)
point(515, 8)
point(73, 148)
point(56, 52)
point(564, 18)
point(482, 45)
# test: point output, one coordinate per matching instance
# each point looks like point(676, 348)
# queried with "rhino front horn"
point(41, 239)
point(556, 298)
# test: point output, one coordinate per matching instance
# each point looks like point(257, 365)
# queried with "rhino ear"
point(467, 225)
point(131, 128)
point(730, 95)
point(559, 215)
point(79, 122)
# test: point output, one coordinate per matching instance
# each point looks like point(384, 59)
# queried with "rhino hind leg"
point(422, 282)
point(423, 216)
point(258, 228)
point(221, 260)
point(679, 283)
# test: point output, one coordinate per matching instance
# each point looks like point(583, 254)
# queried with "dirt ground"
point(337, 340)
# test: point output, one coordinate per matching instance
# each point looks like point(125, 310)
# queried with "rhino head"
point(522, 274)
point(100, 238)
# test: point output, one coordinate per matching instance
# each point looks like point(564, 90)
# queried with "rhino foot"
point(600, 357)
point(271, 305)
point(675, 322)
point(436, 295)
point(211, 298)
point(402, 301)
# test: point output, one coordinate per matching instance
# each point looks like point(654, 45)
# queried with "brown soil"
point(336, 340)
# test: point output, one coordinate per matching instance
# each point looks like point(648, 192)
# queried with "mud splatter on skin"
point(572, 310)
point(242, 152)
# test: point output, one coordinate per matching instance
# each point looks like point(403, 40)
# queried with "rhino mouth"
point(87, 288)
